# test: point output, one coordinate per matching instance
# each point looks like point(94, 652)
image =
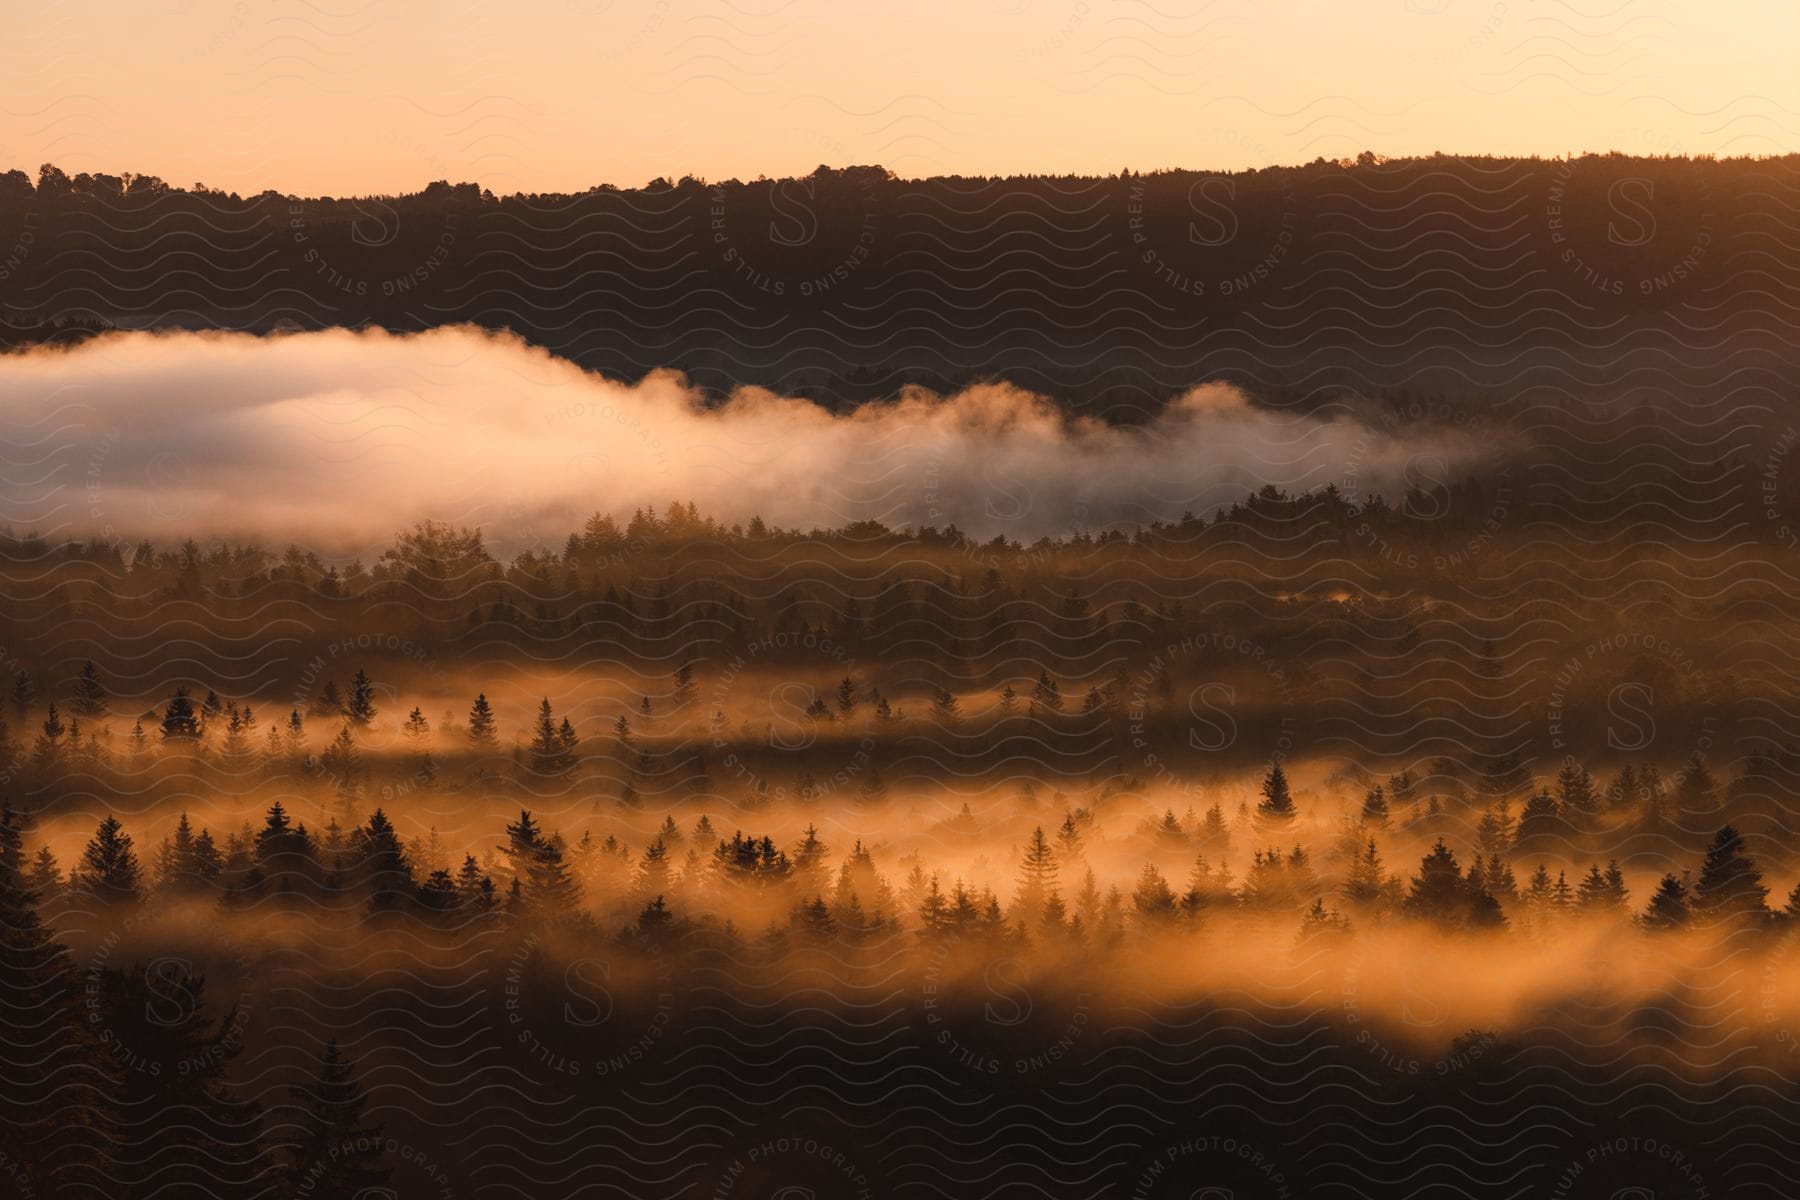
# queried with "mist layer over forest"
point(1326, 798)
point(339, 436)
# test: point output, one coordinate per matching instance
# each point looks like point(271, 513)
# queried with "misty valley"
point(1313, 815)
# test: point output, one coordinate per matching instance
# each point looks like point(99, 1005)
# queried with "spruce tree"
point(1375, 808)
point(1668, 909)
point(381, 864)
point(24, 693)
point(1730, 888)
point(184, 1130)
point(1438, 892)
point(56, 1082)
point(1152, 898)
point(89, 699)
point(1037, 877)
point(550, 753)
point(360, 707)
point(335, 1150)
point(474, 889)
point(483, 730)
point(179, 722)
point(1575, 796)
point(109, 866)
point(1276, 808)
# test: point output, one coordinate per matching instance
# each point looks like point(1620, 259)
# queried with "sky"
point(335, 97)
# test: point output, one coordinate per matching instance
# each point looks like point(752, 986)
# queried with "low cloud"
point(340, 438)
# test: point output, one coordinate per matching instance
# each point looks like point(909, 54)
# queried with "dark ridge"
point(1459, 274)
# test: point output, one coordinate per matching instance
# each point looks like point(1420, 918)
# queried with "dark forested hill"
point(1456, 274)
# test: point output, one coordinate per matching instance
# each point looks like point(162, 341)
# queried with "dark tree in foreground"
point(55, 1083)
point(335, 1154)
point(182, 1128)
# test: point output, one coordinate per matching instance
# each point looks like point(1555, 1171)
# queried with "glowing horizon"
point(386, 97)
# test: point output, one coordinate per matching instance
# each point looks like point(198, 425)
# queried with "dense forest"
point(321, 876)
point(1461, 274)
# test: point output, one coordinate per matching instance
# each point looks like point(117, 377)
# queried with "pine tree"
point(1215, 834)
point(360, 708)
point(1500, 882)
point(334, 1151)
point(1538, 897)
point(1276, 808)
point(282, 852)
point(211, 709)
point(89, 699)
point(550, 754)
point(109, 866)
point(809, 858)
point(1562, 896)
point(1037, 877)
point(187, 1133)
point(1624, 792)
point(1367, 885)
point(56, 1083)
point(1540, 820)
point(180, 723)
point(474, 889)
point(1203, 888)
point(1152, 899)
point(209, 864)
point(1497, 831)
point(177, 871)
point(1169, 831)
point(1068, 839)
point(417, 727)
point(1668, 909)
point(1730, 888)
point(49, 751)
point(1046, 694)
point(1438, 892)
point(1575, 796)
point(545, 883)
point(45, 879)
point(1375, 808)
point(483, 730)
point(329, 703)
point(1593, 894)
point(651, 879)
point(274, 751)
point(684, 692)
point(340, 764)
point(381, 864)
point(237, 742)
point(24, 693)
point(294, 740)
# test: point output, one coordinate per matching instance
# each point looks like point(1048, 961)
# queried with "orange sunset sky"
point(342, 96)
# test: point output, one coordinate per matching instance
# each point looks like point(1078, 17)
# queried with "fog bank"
point(341, 437)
